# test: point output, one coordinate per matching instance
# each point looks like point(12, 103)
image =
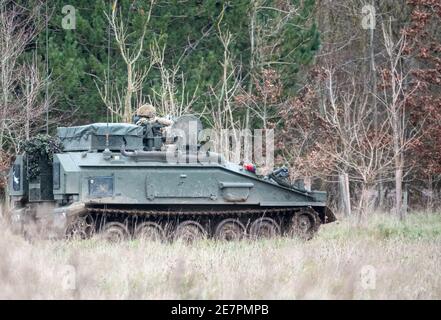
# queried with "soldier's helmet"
point(146, 110)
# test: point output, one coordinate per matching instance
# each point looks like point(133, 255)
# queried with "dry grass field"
point(376, 259)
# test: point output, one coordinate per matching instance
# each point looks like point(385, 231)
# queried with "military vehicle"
point(123, 181)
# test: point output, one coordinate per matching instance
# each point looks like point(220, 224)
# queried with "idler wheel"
point(81, 228)
point(230, 230)
point(304, 225)
point(264, 228)
point(189, 231)
point(115, 232)
point(149, 231)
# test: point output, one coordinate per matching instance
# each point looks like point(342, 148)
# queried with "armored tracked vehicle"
point(121, 181)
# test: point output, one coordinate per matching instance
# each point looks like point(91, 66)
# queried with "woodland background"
point(352, 93)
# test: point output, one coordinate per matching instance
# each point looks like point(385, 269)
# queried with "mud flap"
point(48, 223)
point(63, 216)
point(329, 216)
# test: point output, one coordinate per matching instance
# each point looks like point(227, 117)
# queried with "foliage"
point(42, 146)
point(274, 76)
point(424, 48)
point(4, 166)
point(302, 135)
point(77, 57)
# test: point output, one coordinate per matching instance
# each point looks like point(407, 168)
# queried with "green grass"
point(417, 226)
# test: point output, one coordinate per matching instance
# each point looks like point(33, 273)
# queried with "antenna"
point(47, 71)
point(108, 79)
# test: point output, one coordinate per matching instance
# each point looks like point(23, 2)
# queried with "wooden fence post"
point(405, 202)
point(345, 196)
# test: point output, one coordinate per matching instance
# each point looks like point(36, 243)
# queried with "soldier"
point(147, 114)
point(155, 128)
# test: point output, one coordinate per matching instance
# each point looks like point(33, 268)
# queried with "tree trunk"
point(252, 53)
point(127, 118)
point(399, 192)
point(308, 183)
point(374, 103)
point(367, 201)
point(430, 203)
point(28, 122)
point(398, 165)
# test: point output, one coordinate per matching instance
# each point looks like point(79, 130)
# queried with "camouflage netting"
point(41, 146)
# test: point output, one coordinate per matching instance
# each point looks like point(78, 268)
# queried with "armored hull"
point(107, 182)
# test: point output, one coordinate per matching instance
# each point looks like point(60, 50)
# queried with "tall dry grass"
point(402, 260)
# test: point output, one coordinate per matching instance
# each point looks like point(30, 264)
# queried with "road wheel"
point(305, 224)
point(189, 231)
point(264, 228)
point(81, 228)
point(115, 232)
point(230, 230)
point(149, 231)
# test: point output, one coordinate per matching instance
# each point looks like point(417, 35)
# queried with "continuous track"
point(117, 224)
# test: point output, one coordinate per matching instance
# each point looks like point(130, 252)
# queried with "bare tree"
point(394, 99)
point(21, 83)
point(370, 140)
point(119, 100)
point(172, 97)
point(362, 146)
point(267, 21)
point(222, 118)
